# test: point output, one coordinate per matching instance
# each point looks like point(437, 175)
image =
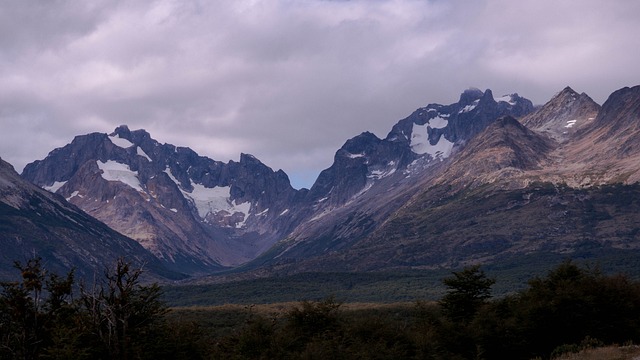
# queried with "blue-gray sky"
point(288, 81)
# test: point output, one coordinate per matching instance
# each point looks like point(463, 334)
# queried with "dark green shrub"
point(467, 291)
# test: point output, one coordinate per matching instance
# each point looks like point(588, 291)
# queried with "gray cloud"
point(288, 81)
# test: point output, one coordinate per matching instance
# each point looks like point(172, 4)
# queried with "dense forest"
point(571, 308)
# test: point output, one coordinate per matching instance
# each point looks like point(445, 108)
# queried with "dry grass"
point(605, 353)
point(284, 307)
point(261, 309)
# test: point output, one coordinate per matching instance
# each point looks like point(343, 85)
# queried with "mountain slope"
point(600, 151)
point(566, 113)
point(505, 149)
point(609, 149)
point(34, 222)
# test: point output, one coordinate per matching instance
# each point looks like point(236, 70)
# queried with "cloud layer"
point(288, 81)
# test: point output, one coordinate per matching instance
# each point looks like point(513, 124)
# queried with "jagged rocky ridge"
point(194, 213)
point(430, 133)
point(477, 180)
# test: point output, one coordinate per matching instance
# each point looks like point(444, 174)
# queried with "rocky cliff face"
point(34, 222)
point(194, 213)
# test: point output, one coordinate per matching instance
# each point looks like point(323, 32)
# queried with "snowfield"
point(420, 143)
point(115, 171)
point(120, 142)
point(213, 200)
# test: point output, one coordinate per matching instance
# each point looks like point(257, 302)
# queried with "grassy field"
point(385, 287)
point(346, 287)
point(225, 319)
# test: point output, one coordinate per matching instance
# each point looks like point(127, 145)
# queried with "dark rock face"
point(464, 119)
point(34, 222)
point(621, 111)
point(614, 135)
point(359, 161)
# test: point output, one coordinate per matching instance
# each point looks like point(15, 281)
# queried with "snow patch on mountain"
point(115, 171)
point(209, 200)
point(420, 143)
point(56, 185)
point(120, 142)
point(570, 123)
point(379, 174)
point(173, 178)
point(438, 122)
point(74, 194)
point(215, 200)
point(469, 107)
point(141, 152)
point(506, 98)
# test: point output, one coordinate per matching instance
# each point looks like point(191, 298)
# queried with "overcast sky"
point(288, 81)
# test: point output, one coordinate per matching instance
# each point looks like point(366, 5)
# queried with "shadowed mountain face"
point(34, 222)
point(479, 180)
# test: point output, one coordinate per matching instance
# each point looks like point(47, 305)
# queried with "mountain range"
point(481, 180)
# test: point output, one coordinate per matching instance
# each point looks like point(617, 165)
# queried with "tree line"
point(46, 316)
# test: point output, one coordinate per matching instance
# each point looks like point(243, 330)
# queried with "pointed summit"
point(515, 105)
point(488, 95)
point(567, 91)
point(470, 95)
point(137, 137)
point(565, 113)
point(121, 130)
